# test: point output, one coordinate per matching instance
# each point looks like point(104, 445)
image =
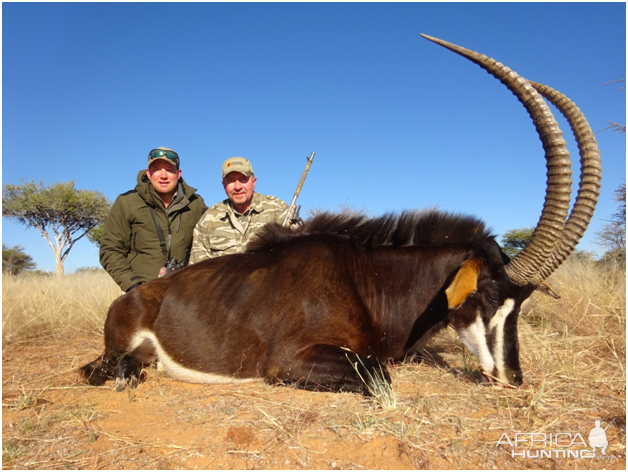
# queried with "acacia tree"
point(96, 233)
point(514, 240)
point(612, 236)
point(62, 213)
point(15, 260)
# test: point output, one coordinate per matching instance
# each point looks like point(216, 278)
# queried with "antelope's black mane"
point(409, 228)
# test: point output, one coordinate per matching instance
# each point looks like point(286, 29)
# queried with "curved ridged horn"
point(540, 248)
point(590, 180)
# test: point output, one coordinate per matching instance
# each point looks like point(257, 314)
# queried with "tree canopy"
point(514, 240)
point(62, 213)
point(612, 236)
point(96, 233)
point(15, 260)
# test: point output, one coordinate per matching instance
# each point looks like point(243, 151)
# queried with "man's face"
point(164, 176)
point(239, 189)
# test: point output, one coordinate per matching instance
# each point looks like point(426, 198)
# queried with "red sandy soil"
point(443, 420)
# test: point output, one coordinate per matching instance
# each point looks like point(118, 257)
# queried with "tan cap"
point(237, 164)
point(164, 153)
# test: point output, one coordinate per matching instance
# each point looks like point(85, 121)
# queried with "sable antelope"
point(324, 305)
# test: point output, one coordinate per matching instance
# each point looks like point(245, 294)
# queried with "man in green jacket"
point(131, 249)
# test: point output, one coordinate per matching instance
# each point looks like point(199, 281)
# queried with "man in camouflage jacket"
point(227, 226)
point(130, 248)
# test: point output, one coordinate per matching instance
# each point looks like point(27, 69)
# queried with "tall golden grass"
point(36, 306)
point(590, 316)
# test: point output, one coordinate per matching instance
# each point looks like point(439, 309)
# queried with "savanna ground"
point(573, 354)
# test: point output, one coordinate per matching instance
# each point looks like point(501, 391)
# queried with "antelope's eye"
point(492, 298)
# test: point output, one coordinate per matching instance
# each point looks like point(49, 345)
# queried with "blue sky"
point(396, 121)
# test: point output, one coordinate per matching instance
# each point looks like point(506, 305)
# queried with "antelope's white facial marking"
point(474, 336)
point(497, 326)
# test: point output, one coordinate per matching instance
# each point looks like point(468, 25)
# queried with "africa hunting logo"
point(558, 445)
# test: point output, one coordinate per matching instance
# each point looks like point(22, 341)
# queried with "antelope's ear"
point(546, 289)
point(465, 282)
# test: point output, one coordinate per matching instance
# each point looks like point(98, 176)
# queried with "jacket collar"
point(255, 207)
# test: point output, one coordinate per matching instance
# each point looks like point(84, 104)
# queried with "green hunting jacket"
point(129, 247)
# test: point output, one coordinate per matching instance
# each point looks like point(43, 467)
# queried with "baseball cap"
point(164, 153)
point(237, 164)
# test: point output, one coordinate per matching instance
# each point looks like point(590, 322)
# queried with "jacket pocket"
point(222, 246)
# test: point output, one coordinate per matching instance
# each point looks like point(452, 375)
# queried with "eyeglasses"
point(173, 156)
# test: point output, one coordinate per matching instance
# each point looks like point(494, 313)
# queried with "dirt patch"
point(442, 419)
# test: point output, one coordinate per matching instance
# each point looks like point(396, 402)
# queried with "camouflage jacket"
point(222, 230)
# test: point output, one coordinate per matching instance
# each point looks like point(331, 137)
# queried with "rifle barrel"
point(298, 190)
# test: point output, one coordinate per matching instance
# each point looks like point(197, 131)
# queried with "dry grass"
point(582, 334)
point(573, 353)
point(35, 307)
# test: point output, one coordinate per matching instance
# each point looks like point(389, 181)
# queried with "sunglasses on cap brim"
point(173, 156)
